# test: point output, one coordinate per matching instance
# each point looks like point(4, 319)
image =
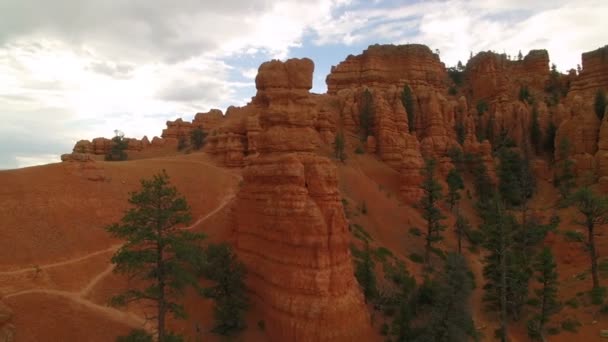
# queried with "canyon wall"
point(290, 228)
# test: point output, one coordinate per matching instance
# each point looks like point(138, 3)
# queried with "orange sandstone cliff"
point(290, 227)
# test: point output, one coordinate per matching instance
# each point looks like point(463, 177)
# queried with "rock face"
point(7, 330)
point(382, 66)
point(594, 73)
point(580, 129)
point(491, 76)
point(290, 227)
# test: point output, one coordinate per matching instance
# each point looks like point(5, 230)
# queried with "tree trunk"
point(593, 255)
point(427, 249)
point(162, 307)
point(503, 284)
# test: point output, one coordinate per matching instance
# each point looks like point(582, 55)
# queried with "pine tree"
point(429, 205)
point(498, 241)
point(455, 184)
point(366, 115)
point(157, 251)
point(565, 178)
point(197, 138)
point(450, 313)
point(118, 148)
point(364, 272)
point(535, 131)
point(463, 228)
point(339, 146)
point(408, 102)
point(222, 267)
point(520, 56)
point(594, 208)
point(546, 295)
point(549, 144)
point(513, 171)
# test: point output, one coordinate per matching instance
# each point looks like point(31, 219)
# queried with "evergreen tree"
point(520, 56)
point(546, 301)
point(498, 241)
point(366, 115)
point(535, 131)
point(565, 178)
point(364, 272)
point(402, 327)
point(513, 171)
point(550, 139)
point(157, 251)
point(600, 103)
point(459, 66)
point(429, 205)
point(594, 208)
point(463, 228)
point(339, 146)
point(118, 148)
point(482, 182)
point(455, 184)
point(197, 138)
point(450, 313)
point(222, 267)
point(408, 102)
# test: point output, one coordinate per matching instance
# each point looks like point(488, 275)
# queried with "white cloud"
point(39, 159)
point(74, 69)
point(457, 27)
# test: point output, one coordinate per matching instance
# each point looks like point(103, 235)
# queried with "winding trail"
point(79, 297)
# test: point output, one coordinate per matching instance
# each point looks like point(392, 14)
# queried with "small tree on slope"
point(222, 267)
point(594, 209)
point(546, 295)
point(429, 206)
point(156, 250)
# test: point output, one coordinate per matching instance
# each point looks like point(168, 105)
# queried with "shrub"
point(571, 325)
point(384, 329)
point(415, 231)
point(197, 138)
point(573, 303)
point(597, 295)
point(359, 150)
point(417, 258)
point(482, 107)
point(262, 325)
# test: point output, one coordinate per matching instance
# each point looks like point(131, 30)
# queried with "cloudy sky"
point(78, 69)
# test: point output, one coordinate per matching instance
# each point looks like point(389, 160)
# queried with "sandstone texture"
point(289, 223)
point(594, 73)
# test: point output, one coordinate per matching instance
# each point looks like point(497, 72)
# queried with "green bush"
point(573, 303)
point(574, 236)
point(597, 295)
point(571, 325)
point(415, 231)
point(382, 252)
point(359, 150)
point(417, 258)
point(137, 335)
point(384, 329)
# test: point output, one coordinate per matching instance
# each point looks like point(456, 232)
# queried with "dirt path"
point(79, 296)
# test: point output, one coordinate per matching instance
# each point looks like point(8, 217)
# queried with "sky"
point(79, 69)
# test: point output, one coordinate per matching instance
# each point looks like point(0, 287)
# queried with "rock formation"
point(490, 76)
point(382, 66)
point(290, 227)
point(594, 73)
